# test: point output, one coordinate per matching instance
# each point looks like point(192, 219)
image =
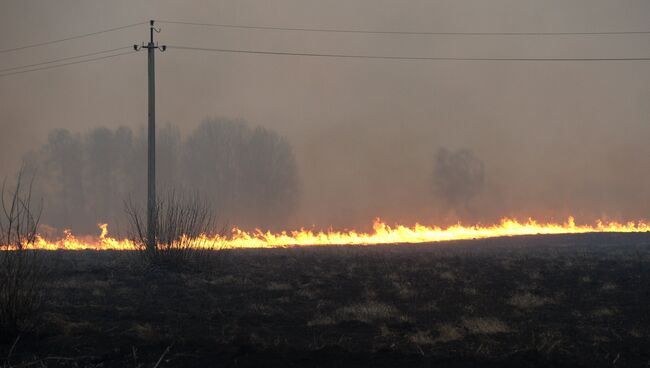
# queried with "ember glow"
point(381, 234)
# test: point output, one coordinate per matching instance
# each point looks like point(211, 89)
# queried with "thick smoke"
point(248, 175)
point(556, 138)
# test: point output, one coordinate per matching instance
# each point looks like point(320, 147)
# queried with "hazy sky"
point(555, 138)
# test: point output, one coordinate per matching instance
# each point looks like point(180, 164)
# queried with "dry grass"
point(278, 286)
point(368, 312)
point(604, 312)
point(321, 320)
point(263, 309)
point(528, 300)
point(429, 306)
point(384, 331)
point(547, 342)
point(469, 291)
point(404, 289)
point(307, 293)
point(448, 332)
point(447, 275)
point(422, 338)
point(225, 280)
point(609, 286)
point(146, 332)
point(636, 333)
point(484, 326)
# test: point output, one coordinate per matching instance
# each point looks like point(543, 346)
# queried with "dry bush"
point(22, 272)
point(183, 225)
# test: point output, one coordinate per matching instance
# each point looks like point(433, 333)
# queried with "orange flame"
point(381, 234)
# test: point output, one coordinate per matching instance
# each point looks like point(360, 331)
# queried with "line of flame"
point(381, 234)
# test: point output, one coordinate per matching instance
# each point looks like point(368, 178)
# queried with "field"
point(579, 300)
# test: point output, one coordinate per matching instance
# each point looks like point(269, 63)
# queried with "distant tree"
point(135, 169)
point(107, 152)
point(82, 178)
point(121, 147)
point(249, 174)
point(62, 172)
point(269, 175)
point(457, 178)
point(211, 157)
point(168, 152)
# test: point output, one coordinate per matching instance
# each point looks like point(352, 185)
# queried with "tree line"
point(247, 174)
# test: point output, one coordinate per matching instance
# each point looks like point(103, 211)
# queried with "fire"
point(381, 234)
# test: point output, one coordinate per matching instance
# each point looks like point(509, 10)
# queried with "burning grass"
point(179, 234)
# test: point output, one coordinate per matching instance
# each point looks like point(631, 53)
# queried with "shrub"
point(22, 272)
point(183, 225)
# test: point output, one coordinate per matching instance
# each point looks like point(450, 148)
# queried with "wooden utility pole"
point(152, 221)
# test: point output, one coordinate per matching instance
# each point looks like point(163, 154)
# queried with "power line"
point(6, 72)
point(63, 59)
point(71, 38)
point(66, 64)
point(388, 57)
point(362, 31)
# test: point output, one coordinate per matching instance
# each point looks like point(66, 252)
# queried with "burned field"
point(578, 300)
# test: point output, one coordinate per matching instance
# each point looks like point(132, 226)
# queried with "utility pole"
point(152, 215)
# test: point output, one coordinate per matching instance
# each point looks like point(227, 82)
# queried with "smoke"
point(555, 139)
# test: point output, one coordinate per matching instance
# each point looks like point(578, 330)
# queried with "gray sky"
point(556, 138)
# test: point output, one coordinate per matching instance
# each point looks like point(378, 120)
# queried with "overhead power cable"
point(64, 59)
point(71, 38)
point(66, 64)
point(45, 64)
point(362, 31)
point(390, 57)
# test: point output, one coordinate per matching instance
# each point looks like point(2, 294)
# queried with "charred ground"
point(578, 300)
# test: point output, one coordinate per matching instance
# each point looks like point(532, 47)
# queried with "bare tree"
point(184, 224)
point(22, 272)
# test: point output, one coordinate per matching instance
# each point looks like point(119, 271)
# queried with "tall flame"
point(381, 234)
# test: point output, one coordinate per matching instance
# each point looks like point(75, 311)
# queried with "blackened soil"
point(569, 301)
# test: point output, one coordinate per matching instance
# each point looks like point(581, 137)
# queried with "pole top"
point(151, 45)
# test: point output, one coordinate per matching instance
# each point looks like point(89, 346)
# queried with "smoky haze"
point(553, 138)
